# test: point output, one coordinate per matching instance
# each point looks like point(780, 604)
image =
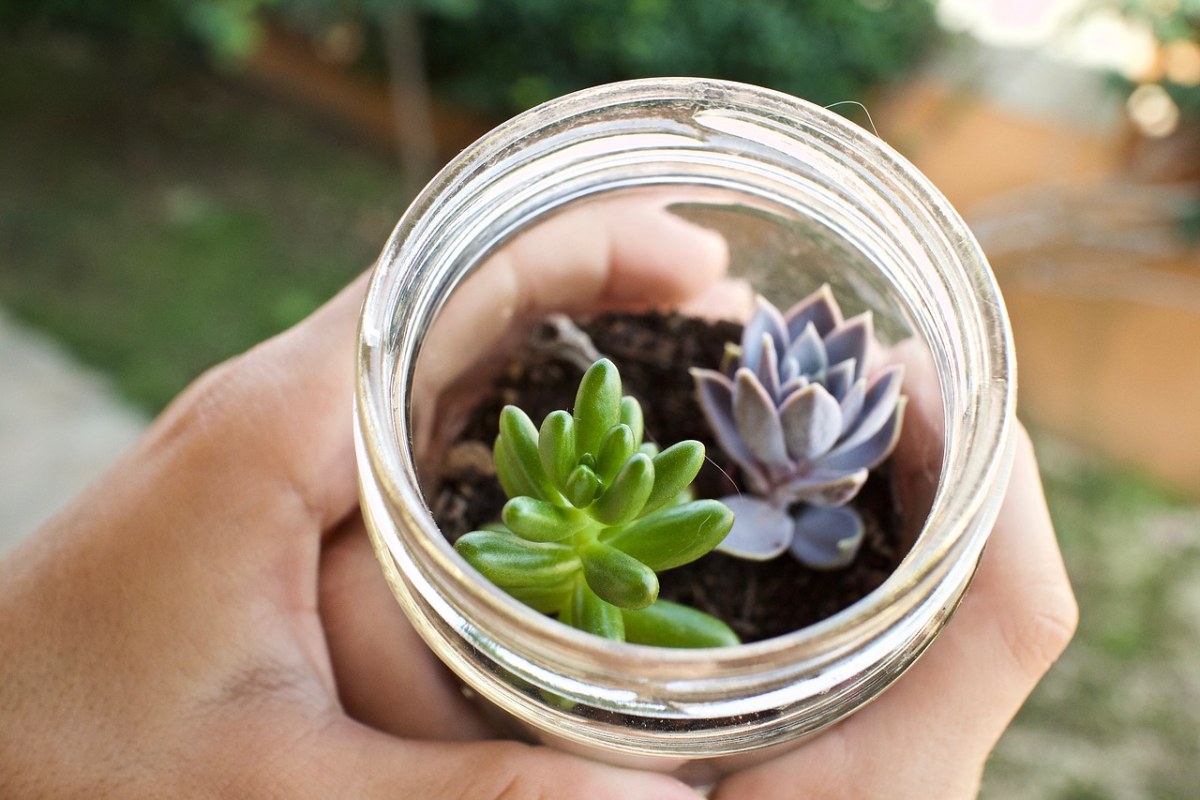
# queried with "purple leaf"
point(757, 420)
point(789, 369)
point(826, 538)
point(792, 386)
point(766, 319)
point(849, 340)
point(823, 488)
point(715, 395)
point(809, 351)
point(760, 530)
point(878, 404)
point(812, 422)
point(820, 308)
point(768, 368)
point(868, 454)
point(840, 377)
point(852, 405)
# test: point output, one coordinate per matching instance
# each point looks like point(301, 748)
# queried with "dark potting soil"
point(653, 352)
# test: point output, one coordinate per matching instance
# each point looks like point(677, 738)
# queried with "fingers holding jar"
point(616, 254)
point(930, 734)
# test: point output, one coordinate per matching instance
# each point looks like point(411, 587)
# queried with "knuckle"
point(519, 779)
point(524, 773)
point(212, 400)
point(1038, 635)
point(228, 399)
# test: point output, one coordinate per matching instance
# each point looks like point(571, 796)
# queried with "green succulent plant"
point(594, 513)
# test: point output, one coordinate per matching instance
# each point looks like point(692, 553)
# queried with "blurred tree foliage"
point(136, 19)
point(228, 29)
point(511, 54)
point(501, 56)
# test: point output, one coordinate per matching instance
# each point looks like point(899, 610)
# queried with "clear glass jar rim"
point(396, 278)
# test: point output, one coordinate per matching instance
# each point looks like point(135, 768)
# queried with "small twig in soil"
point(563, 338)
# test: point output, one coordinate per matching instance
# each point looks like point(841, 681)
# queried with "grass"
point(157, 219)
point(1118, 717)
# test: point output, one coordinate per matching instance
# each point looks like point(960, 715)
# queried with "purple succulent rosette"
point(795, 410)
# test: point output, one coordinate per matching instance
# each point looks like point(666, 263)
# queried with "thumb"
point(618, 254)
point(351, 760)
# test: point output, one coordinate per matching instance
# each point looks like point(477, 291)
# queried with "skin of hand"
point(929, 735)
point(208, 618)
point(184, 627)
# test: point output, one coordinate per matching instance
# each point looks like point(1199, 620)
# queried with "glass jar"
point(801, 197)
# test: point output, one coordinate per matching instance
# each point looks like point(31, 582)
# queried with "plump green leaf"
point(684, 497)
point(674, 470)
point(546, 599)
point(668, 624)
point(511, 562)
point(631, 415)
point(624, 498)
point(582, 486)
point(519, 438)
point(512, 478)
point(673, 536)
point(588, 612)
point(542, 521)
point(616, 447)
point(556, 447)
point(586, 472)
point(597, 406)
point(618, 578)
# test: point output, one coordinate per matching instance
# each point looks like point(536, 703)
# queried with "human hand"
point(208, 620)
point(929, 735)
point(198, 621)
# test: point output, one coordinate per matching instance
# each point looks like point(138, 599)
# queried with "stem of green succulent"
point(594, 513)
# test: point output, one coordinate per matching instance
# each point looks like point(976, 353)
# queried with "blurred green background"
point(159, 212)
point(168, 197)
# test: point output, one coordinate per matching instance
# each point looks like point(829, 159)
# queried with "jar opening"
point(801, 198)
